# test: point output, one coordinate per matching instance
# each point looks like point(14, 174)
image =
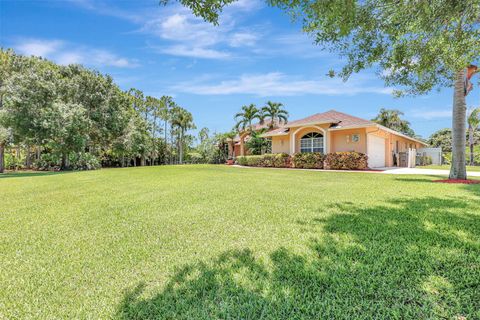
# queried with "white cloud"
point(432, 114)
point(37, 47)
point(241, 39)
point(194, 52)
point(67, 53)
point(279, 84)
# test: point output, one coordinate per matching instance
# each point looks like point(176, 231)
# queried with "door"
point(376, 151)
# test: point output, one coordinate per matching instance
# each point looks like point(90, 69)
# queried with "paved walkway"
point(390, 170)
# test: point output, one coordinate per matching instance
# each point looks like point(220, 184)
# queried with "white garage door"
point(376, 151)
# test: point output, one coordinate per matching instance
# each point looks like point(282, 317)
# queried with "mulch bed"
point(458, 181)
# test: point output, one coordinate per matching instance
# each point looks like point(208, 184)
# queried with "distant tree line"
point(70, 117)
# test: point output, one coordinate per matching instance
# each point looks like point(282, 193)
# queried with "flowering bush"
point(346, 161)
point(280, 160)
point(311, 160)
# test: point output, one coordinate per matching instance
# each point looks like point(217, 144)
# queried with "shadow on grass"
point(410, 258)
point(27, 174)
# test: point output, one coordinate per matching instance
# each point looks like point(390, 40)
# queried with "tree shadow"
point(28, 174)
point(409, 258)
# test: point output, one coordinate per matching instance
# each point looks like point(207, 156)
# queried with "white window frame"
point(315, 138)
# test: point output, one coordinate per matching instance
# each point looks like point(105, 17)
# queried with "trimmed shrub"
point(276, 160)
point(310, 160)
point(346, 161)
point(84, 161)
point(280, 160)
point(48, 161)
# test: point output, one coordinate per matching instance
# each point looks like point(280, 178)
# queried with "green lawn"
point(447, 167)
point(197, 242)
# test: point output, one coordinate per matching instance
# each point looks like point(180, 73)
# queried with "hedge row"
point(278, 160)
point(314, 160)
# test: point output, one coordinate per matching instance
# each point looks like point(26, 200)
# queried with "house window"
point(311, 142)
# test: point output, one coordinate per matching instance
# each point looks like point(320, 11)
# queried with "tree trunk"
point(142, 160)
point(2, 157)
point(166, 143)
point(64, 165)
point(181, 148)
point(471, 132)
point(28, 158)
point(459, 126)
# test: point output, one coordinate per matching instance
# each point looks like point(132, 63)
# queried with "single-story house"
point(334, 131)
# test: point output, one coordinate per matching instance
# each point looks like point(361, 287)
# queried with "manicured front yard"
point(447, 167)
point(197, 242)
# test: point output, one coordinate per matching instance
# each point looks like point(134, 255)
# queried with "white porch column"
point(292, 143)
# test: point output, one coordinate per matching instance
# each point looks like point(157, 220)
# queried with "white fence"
point(434, 153)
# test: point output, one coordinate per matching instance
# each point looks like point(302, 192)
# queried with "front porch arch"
point(293, 139)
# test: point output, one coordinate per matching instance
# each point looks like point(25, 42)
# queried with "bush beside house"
point(346, 161)
point(280, 160)
point(311, 160)
point(333, 161)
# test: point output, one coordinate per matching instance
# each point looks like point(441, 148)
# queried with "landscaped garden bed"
point(311, 160)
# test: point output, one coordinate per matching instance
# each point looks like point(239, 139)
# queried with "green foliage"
point(218, 242)
point(12, 162)
point(276, 160)
point(84, 161)
point(346, 161)
point(245, 118)
point(49, 161)
point(308, 160)
point(443, 139)
point(424, 161)
point(70, 110)
point(392, 119)
point(257, 145)
point(274, 111)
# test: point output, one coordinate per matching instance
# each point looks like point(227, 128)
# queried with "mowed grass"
point(206, 242)
point(447, 167)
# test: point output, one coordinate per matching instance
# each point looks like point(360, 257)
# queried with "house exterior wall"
point(281, 144)
point(341, 141)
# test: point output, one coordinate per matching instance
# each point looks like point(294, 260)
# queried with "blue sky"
point(255, 54)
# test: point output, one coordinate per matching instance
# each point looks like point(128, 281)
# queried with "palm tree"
point(183, 121)
point(274, 111)
point(473, 123)
point(391, 118)
point(245, 118)
point(167, 105)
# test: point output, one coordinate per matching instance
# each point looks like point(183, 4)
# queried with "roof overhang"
point(400, 134)
point(293, 125)
point(379, 126)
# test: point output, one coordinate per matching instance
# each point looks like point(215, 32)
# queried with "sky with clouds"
point(255, 54)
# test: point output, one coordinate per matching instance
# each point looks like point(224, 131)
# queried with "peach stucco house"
point(334, 131)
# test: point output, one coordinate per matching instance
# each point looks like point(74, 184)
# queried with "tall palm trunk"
point(180, 146)
point(2, 157)
point(459, 126)
point(471, 132)
point(166, 144)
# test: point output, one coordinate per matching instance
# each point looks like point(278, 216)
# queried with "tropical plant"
point(246, 117)
point(256, 144)
point(275, 112)
point(415, 46)
point(182, 120)
point(391, 118)
point(473, 123)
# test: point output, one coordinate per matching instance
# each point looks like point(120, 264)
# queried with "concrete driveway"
point(422, 171)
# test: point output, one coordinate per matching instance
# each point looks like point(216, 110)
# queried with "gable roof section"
point(339, 119)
